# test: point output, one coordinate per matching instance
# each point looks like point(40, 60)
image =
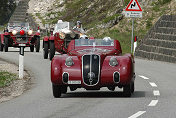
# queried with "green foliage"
point(126, 2)
point(7, 8)
point(162, 2)
point(149, 23)
point(156, 8)
point(158, 4)
point(40, 17)
point(6, 78)
point(106, 20)
point(124, 38)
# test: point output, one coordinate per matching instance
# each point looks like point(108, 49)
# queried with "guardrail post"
point(21, 62)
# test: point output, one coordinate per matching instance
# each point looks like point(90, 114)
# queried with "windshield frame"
point(18, 26)
point(93, 42)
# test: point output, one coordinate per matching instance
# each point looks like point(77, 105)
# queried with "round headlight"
point(14, 32)
point(113, 62)
point(69, 61)
point(30, 32)
point(62, 35)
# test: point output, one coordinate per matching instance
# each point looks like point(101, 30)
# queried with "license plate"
point(22, 44)
point(74, 82)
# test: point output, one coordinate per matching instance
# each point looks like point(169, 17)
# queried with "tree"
point(7, 8)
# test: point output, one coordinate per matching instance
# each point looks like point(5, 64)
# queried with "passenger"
point(78, 27)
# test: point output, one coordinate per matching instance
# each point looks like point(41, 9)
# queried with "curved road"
point(154, 96)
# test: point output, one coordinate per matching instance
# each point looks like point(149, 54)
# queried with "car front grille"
point(91, 69)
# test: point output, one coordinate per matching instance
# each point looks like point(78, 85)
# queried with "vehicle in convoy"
point(92, 64)
point(59, 39)
point(19, 34)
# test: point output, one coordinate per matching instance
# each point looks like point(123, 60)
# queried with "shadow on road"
point(101, 94)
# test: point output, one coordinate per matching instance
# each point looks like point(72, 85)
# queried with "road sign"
point(133, 14)
point(133, 6)
point(133, 9)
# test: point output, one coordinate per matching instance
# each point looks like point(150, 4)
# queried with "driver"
point(84, 40)
point(107, 41)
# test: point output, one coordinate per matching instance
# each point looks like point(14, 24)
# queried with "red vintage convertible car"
point(60, 38)
point(92, 64)
point(17, 34)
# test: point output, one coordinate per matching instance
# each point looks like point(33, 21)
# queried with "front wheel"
point(37, 46)
point(1, 46)
point(132, 87)
point(52, 50)
point(6, 44)
point(56, 90)
point(64, 89)
point(45, 50)
point(32, 48)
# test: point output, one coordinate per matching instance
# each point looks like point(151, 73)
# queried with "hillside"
point(102, 18)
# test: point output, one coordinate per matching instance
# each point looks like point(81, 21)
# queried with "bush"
point(6, 78)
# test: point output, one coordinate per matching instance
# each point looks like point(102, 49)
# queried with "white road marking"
point(143, 77)
point(153, 103)
point(156, 93)
point(153, 84)
point(139, 113)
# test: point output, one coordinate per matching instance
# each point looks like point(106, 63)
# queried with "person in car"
point(107, 41)
point(83, 40)
point(78, 27)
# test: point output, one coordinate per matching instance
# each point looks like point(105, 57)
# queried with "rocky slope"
point(101, 17)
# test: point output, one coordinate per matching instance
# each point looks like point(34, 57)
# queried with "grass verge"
point(6, 78)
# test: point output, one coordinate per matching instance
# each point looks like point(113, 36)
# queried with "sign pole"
point(133, 10)
point(132, 35)
point(21, 62)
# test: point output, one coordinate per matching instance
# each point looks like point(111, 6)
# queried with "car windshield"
point(94, 42)
point(18, 26)
point(63, 25)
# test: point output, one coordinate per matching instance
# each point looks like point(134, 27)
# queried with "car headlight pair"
point(113, 62)
point(14, 32)
point(69, 61)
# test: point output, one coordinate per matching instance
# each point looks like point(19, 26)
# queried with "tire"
point(1, 46)
point(37, 46)
point(132, 87)
point(32, 48)
point(45, 50)
point(56, 91)
point(52, 50)
point(64, 89)
point(127, 90)
point(6, 44)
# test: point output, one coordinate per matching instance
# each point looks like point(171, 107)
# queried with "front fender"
point(6, 34)
point(51, 38)
point(125, 68)
point(56, 69)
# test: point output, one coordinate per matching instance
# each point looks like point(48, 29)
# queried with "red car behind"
point(17, 34)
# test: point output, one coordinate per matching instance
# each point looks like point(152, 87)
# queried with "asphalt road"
point(154, 97)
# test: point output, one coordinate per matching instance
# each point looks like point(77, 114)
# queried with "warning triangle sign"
point(133, 6)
